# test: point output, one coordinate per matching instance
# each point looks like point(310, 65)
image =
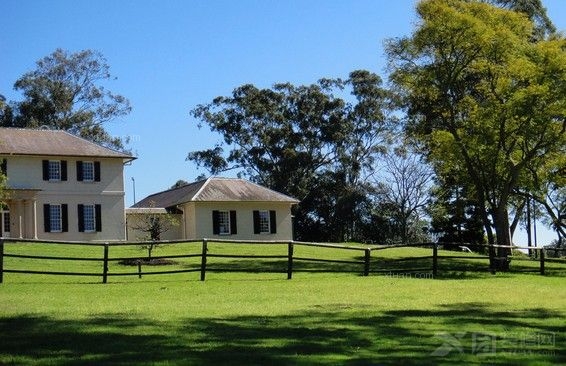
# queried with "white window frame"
point(224, 223)
point(54, 170)
point(264, 222)
point(55, 218)
point(88, 171)
point(89, 218)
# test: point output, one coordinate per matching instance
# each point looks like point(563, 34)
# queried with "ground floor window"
point(55, 218)
point(90, 220)
point(224, 222)
point(265, 222)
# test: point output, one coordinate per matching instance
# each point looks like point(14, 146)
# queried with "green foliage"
point(483, 100)
point(66, 91)
point(304, 141)
point(535, 11)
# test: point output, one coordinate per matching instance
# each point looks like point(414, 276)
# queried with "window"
point(4, 167)
point(265, 222)
point(224, 223)
point(55, 218)
point(90, 219)
point(54, 170)
point(88, 171)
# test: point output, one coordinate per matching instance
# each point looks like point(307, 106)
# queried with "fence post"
point(290, 260)
point(203, 260)
point(367, 260)
point(105, 265)
point(1, 260)
point(139, 269)
point(542, 255)
point(434, 260)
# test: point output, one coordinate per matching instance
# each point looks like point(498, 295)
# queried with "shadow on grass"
point(325, 334)
point(448, 268)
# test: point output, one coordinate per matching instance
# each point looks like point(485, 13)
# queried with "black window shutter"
point(273, 222)
point(97, 171)
point(98, 217)
point(81, 214)
point(63, 170)
point(79, 171)
point(233, 224)
point(4, 166)
point(256, 222)
point(215, 222)
point(46, 218)
point(45, 169)
point(64, 218)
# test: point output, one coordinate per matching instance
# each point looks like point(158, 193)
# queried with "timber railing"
point(213, 255)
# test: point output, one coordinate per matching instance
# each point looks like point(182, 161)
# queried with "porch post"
point(20, 219)
point(34, 218)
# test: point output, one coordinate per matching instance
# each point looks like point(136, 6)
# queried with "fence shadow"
point(326, 334)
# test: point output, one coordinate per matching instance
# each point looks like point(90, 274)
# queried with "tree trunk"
point(503, 235)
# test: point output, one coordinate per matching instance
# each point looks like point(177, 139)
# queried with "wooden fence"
point(363, 262)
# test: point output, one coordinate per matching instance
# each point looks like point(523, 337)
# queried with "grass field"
point(465, 316)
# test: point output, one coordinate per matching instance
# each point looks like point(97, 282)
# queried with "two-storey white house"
point(61, 187)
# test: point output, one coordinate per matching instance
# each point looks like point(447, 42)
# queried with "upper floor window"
point(88, 171)
point(54, 170)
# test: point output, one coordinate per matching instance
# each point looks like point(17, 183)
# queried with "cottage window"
point(265, 222)
point(224, 222)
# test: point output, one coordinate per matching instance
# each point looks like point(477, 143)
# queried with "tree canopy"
point(301, 141)
point(483, 99)
point(66, 91)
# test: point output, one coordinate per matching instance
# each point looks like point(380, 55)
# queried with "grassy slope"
point(236, 318)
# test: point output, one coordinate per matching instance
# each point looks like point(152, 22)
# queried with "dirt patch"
point(147, 262)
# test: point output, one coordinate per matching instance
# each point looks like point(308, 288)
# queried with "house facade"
point(217, 208)
point(61, 187)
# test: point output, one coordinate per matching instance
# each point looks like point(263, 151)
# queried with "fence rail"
point(363, 263)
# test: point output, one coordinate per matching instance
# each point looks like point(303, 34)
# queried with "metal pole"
point(134, 184)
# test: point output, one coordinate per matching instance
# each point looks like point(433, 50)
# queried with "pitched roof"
point(214, 189)
point(38, 142)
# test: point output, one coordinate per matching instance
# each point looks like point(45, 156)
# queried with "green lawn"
point(261, 318)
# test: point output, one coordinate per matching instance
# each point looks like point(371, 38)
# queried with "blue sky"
point(170, 55)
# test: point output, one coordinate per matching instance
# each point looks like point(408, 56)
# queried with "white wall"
point(200, 218)
point(25, 172)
